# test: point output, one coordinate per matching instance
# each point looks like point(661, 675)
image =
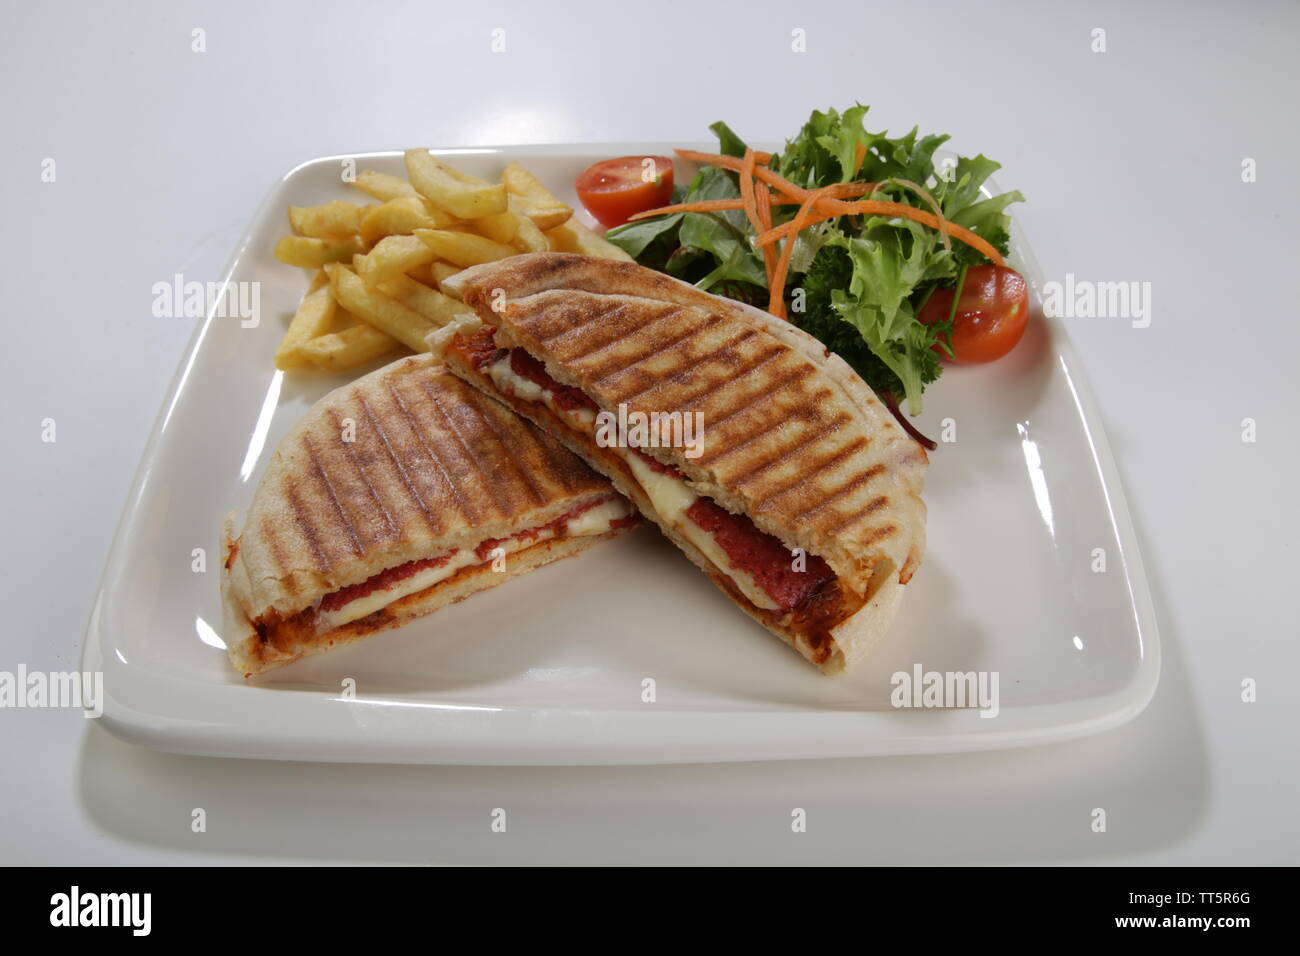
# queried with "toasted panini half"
point(801, 502)
point(395, 495)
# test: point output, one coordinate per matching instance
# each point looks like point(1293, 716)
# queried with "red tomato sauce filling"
point(381, 581)
point(480, 350)
point(654, 464)
point(484, 550)
point(762, 555)
point(568, 398)
point(392, 576)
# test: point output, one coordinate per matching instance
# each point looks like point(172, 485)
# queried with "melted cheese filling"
point(670, 496)
point(596, 520)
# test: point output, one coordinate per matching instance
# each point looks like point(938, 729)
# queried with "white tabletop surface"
point(1132, 163)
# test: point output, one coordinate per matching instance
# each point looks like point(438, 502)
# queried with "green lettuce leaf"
point(727, 235)
point(635, 237)
point(729, 144)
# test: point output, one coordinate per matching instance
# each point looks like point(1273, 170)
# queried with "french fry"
point(430, 303)
point(386, 314)
point(499, 227)
point(392, 256)
point(528, 237)
point(384, 187)
point(314, 253)
point(465, 197)
point(513, 227)
point(349, 348)
point(573, 236)
point(334, 220)
point(422, 275)
point(313, 318)
point(464, 248)
point(401, 217)
point(537, 202)
point(442, 271)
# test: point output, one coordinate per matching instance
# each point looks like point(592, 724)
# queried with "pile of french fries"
point(380, 266)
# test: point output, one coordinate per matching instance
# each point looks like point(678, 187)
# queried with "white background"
point(1131, 160)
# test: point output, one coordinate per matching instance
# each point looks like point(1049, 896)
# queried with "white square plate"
point(550, 668)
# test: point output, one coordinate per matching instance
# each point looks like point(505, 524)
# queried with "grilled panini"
point(393, 496)
point(803, 501)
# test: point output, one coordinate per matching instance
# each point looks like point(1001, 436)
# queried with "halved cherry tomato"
point(614, 190)
point(991, 315)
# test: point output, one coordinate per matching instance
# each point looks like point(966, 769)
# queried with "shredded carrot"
point(844, 190)
point(831, 208)
point(780, 183)
point(764, 201)
point(765, 218)
point(804, 217)
point(838, 191)
point(749, 201)
point(700, 205)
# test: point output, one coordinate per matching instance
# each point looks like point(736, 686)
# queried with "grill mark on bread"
point(620, 336)
point(794, 375)
point(308, 530)
point(353, 459)
point(537, 270)
point(623, 365)
point(853, 484)
point(466, 509)
point(375, 424)
point(565, 315)
point(855, 516)
point(692, 402)
point(710, 389)
point(802, 478)
point(713, 453)
point(763, 462)
point(275, 544)
point(323, 480)
point(580, 332)
point(471, 459)
point(679, 373)
point(492, 427)
point(880, 533)
point(559, 462)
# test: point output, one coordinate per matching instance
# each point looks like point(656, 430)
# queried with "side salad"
point(892, 260)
